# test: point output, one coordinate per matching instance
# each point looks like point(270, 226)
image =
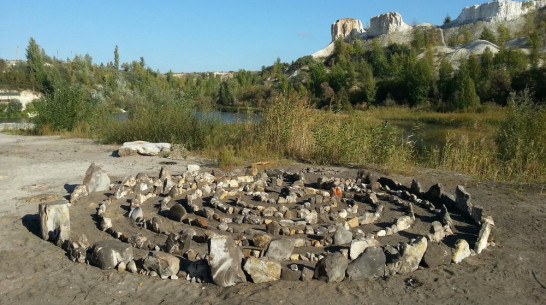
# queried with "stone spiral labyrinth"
point(264, 225)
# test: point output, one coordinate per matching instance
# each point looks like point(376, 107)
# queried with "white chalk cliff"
point(387, 23)
point(346, 27)
point(497, 11)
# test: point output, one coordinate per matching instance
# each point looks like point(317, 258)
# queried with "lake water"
point(225, 117)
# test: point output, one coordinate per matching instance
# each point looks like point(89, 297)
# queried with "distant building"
point(25, 96)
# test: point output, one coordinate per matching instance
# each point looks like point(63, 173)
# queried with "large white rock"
point(387, 23)
point(412, 254)
point(496, 11)
point(55, 221)
point(225, 261)
point(346, 27)
point(143, 148)
point(164, 264)
point(96, 179)
point(359, 245)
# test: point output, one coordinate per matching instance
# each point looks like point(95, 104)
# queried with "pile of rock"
point(267, 225)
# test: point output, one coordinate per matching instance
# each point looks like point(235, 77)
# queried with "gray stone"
point(342, 236)
point(463, 200)
point(107, 254)
point(177, 212)
point(415, 187)
point(96, 179)
point(136, 213)
point(331, 268)
point(132, 267)
point(404, 222)
point(371, 263)
point(164, 264)
point(78, 193)
point(262, 270)
point(437, 254)
point(273, 228)
point(307, 274)
point(225, 261)
point(280, 249)
point(412, 253)
point(359, 245)
point(55, 221)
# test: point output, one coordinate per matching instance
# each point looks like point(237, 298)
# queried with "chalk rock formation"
point(387, 23)
point(496, 11)
point(346, 27)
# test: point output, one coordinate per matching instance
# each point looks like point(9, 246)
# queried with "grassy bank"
point(506, 144)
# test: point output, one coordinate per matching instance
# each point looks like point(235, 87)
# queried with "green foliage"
point(66, 107)
point(464, 96)
point(13, 107)
point(521, 138)
point(447, 19)
point(488, 35)
point(116, 58)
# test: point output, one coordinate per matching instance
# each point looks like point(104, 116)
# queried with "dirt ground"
point(33, 271)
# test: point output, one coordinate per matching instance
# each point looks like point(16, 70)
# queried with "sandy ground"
point(33, 271)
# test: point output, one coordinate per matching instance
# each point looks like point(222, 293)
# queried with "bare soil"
point(33, 271)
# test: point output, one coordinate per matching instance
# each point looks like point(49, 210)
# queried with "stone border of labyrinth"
point(267, 225)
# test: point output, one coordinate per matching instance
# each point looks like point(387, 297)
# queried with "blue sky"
point(194, 36)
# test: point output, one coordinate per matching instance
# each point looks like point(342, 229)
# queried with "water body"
point(224, 117)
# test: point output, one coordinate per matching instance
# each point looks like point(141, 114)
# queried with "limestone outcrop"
point(346, 27)
point(496, 11)
point(387, 23)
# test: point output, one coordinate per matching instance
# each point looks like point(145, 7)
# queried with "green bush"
point(66, 107)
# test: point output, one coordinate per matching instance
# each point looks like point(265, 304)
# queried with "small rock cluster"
point(267, 225)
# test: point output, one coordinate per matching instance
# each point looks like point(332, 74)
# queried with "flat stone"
point(261, 241)
point(331, 268)
point(371, 263)
point(107, 254)
point(225, 261)
point(289, 274)
point(307, 274)
point(164, 264)
point(262, 270)
point(142, 148)
point(96, 179)
point(55, 221)
point(280, 249)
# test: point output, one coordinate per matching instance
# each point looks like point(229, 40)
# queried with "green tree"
point(503, 34)
point(488, 35)
point(464, 96)
point(35, 62)
point(445, 79)
point(116, 58)
point(14, 106)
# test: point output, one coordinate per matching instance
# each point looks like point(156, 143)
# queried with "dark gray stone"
point(437, 254)
point(273, 228)
point(177, 212)
point(288, 274)
point(371, 263)
point(331, 268)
